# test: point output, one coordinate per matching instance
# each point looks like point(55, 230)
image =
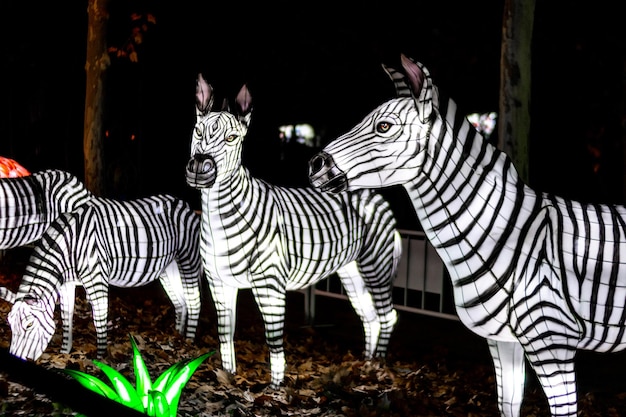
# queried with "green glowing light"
point(156, 400)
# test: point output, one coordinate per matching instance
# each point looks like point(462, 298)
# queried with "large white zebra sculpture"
point(104, 243)
point(537, 275)
point(274, 239)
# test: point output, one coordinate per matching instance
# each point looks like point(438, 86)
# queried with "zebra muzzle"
point(201, 171)
point(324, 174)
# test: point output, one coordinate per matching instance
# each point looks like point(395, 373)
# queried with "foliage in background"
point(140, 25)
point(158, 399)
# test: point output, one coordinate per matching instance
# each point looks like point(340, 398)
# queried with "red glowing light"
point(11, 169)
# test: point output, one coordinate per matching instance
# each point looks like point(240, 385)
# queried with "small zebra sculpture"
point(537, 275)
point(274, 239)
point(106, 243)
point(30, 203)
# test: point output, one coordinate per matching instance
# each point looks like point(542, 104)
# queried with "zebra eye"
point(198, 131)
point(383, 127)
point(231, 138)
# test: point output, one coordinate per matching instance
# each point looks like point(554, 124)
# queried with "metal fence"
point(421, 285)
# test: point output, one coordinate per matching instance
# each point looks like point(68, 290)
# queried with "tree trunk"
point(96, 65)
point(515, 83)
point(623, 125)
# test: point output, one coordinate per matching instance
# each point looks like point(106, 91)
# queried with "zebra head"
point(32, 326)
point(216, 141)
point(388, 146)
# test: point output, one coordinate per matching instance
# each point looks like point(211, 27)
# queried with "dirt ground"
point(435, 367)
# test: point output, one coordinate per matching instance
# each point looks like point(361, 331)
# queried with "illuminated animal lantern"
point(275, 239)
point(106, 243)
point(30, 203)
point(537, 275)
point(11, 169)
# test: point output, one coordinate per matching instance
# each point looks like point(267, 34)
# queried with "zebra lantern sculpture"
point(106, 243)
point(537, 275)
point(273, 239)
point(30, 203)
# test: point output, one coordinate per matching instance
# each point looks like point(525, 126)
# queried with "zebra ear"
point(421, 85)
point(204, 96)
point(244, 105)
point(399, 82)
point(29, 299)
point(225, 106)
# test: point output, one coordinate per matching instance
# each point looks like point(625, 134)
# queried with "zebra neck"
point(467, 196)
point(40, 285)
point(237, 191)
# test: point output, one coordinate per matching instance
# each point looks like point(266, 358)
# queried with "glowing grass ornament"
point(158, 399)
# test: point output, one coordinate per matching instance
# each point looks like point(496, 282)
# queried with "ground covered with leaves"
point(435, 367)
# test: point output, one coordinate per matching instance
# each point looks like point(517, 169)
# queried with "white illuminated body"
point(106, 243)
point(28, 204)
point(276, 239)
point(535, 274)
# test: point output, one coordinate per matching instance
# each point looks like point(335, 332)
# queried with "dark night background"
point(305, 62)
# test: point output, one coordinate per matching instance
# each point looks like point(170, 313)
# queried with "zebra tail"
point(7, 295)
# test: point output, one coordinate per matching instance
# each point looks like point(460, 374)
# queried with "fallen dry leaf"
point(434, 367)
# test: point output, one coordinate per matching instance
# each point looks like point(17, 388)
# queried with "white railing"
point(421, 285)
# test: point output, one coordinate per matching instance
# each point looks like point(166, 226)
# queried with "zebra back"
point(29, 204)
point(143, 236)
point(132, 241)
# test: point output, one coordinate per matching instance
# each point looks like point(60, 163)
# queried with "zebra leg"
point(510, 368)
point(363, 305)
point(194, 305)
point(387, 324)
point(383, 294)
point(549, 330)
point(556, 373)
point(98, 295)
point(191, 281)
point(67, 299)
point(382, 297)
point(378, 269)
point(225, 300)
point(272, 304)
point(173, 286)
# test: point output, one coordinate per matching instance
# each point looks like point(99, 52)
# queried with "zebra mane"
point(402, 88)
point(415, 83)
